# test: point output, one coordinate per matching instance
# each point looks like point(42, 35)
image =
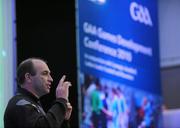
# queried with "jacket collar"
point(27, 93)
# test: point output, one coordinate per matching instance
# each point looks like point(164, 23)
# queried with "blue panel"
point(118, 43)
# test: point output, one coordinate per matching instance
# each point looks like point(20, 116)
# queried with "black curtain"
point(46, 29)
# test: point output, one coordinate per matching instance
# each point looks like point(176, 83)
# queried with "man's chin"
point(47, 91)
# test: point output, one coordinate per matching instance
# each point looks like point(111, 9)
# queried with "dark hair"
point(24, 67)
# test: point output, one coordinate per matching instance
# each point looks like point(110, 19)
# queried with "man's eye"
point(45, 73)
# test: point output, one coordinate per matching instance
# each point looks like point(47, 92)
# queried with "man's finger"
point(69, 104)
point(62, 80)
point(67, 84)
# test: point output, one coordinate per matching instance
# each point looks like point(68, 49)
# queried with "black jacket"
point(25, 111)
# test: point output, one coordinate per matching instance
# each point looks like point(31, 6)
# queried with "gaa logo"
point(140, 13)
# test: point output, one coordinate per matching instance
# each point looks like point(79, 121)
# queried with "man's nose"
point(50, 78)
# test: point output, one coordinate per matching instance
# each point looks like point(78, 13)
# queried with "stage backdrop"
point(118, 63)
point(7, 54)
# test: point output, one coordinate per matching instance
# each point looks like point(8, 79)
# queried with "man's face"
point(41, 82)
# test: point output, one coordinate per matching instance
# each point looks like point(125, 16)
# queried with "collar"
point(28, 94)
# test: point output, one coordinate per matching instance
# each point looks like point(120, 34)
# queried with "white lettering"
point(115, 39)
point(114, 52)
point(140, 13)
point(88, 28)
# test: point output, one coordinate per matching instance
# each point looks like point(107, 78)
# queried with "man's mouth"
point(48, 86)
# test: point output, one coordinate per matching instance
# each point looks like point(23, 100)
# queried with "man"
point(24, 109)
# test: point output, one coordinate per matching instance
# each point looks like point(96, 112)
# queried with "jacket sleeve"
point(33, 118)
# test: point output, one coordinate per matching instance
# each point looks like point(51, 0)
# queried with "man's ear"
point(28, 77)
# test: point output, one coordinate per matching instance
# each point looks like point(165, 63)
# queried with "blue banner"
point(119, 40)
point(118, 43)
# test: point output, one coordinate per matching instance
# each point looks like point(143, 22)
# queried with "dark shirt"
point(25, 111)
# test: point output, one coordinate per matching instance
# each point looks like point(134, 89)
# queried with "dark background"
point(46, 29)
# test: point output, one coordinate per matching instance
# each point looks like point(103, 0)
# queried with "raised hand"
point(62, 90)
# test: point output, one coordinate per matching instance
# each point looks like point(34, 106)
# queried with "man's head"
point(33, 74)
